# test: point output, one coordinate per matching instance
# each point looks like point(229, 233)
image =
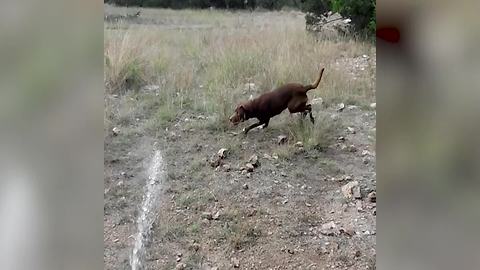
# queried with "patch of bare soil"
point(287, 211)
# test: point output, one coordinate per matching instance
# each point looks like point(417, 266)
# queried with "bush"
point(361, 12)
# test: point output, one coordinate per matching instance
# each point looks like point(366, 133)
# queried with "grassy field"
point(202, 60)
point(174, 78)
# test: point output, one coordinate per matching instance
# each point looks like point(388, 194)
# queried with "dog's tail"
point(315, 85)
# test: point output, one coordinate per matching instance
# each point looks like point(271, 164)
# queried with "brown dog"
point(292, 96)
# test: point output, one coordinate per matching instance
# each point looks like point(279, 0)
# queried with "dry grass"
point(202, 60)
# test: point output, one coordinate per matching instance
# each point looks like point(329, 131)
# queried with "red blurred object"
point(390, 34)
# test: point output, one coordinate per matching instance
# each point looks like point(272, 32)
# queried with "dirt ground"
point(220, 216)
point(274, 222)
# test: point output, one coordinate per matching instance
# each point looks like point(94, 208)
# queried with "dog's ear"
point(241, 111)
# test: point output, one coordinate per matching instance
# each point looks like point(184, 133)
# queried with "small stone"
point(179, 254)
point(245, 186)
point(216, 215)
point(357, 253)
point(180, 266)
point(249, 175)
point(351, 130)
point(329, 229)
point(347, 189)
point(195, 246)
point(299, 144)
point(356, 192)
point(115, 131)
point(341, 139)
point(207, 215)
point(340, 107)
point(307, 204)
point(267, 156)
point(290, 251)
point(226, 167)
point(372, 196)
point(373, 105)
point(366, 160)
point(285, 201)
point(347, 231)
point(352, 148)
point(254, 161)
point(283, 174)
point(282, 139)
point(275, 156)
point(235, 262)
point(222, 152)
point(249, 167)
point(179, 259)
point(365, 153)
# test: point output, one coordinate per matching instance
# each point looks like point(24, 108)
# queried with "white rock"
point(347, 189)
point(373, 105)
point(222, 152)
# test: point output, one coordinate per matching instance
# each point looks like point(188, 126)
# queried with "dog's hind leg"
point(308, 108)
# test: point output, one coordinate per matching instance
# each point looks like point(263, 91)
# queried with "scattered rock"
point(179, 254)
point(254, 161)
point(285, 201)
point(245, 186)
point(372, 196)
point(316, 101)
point(226, 167)
point(282, 139)
point(249, 167)
point(356, 192)
point(216, 215)
point(195, 246)
point(307, 204)
point(329, 229)
point(341, 139)
point(352, 148)
point(373, 105)
point(351, 130)
point(341, 107)
point(215, 161)
point(299, 144)
point(180, 266)
point(347, 231)
point(275, 156)
point(357, 254)
point(207, 215)
point(235, 262)
point(222, 152)
point(115, 131)
point(365, 153)
point(179, 259)
point(283, 174)
point(347, 189)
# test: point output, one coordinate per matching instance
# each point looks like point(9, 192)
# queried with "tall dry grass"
point(205, 67)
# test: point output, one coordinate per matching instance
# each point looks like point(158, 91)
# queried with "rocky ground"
point(247, 202)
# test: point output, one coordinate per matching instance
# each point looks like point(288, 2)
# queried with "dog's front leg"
point(245, 130)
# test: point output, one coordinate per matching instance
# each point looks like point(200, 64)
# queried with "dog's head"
point(239, 115)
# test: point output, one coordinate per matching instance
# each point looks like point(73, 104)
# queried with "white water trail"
point(151, 198)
